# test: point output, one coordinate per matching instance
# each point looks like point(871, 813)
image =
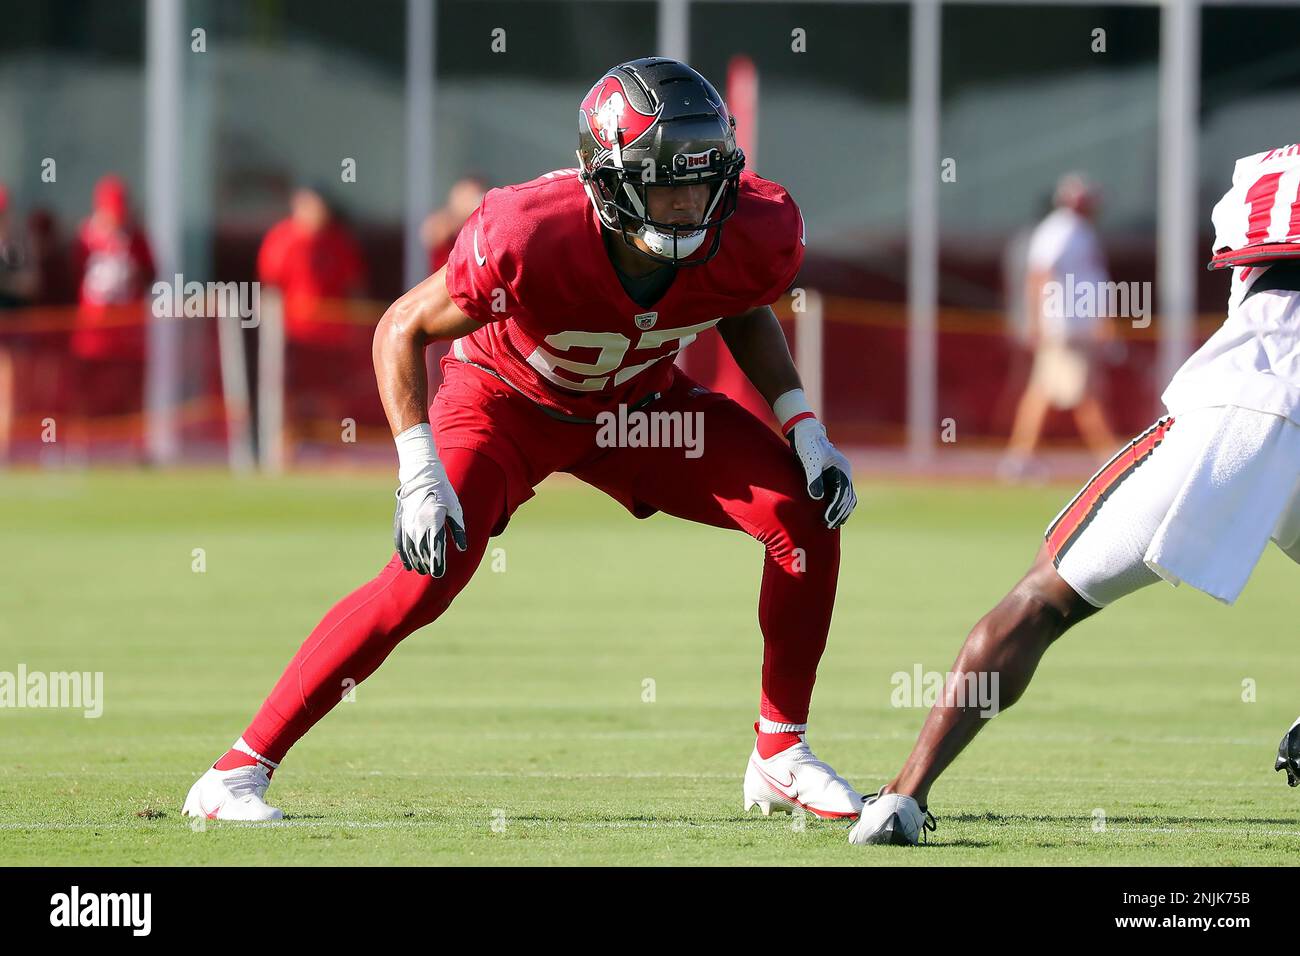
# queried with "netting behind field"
point(982, 371)
point(73, 384)
point(69, 388)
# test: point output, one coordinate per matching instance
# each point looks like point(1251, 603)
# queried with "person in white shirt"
point(1066, 330)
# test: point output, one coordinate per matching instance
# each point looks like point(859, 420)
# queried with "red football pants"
point(496, 446)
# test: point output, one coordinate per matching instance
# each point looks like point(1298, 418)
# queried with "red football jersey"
point(531, 265)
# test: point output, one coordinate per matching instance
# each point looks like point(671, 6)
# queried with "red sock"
point(237, 758)
point(769, 745)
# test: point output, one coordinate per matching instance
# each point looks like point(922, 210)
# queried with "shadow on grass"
point(1074, 820)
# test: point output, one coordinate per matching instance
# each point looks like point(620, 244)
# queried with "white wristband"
point(416, 451)
point(791, 405)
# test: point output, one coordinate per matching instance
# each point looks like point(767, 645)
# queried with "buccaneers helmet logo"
point(607, 110)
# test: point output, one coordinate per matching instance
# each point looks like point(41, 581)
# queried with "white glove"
point(827, 470)
point(426, 505)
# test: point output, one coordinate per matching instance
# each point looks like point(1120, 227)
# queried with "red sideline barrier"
point(981, 373)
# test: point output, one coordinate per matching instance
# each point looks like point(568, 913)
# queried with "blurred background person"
point(315, 261)
point(47, 256)
point(1014, 266)
point(114, 269)
point(19, 280)
point(19, 284)
point(1015, 272)
point(441, 227)
point(1065, 332)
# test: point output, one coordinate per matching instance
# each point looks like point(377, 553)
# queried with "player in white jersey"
point(1195, 498)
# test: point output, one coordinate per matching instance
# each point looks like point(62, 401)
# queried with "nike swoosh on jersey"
point(481, 260)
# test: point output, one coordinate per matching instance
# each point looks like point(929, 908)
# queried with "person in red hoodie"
point(114, 267)
point(315, 262)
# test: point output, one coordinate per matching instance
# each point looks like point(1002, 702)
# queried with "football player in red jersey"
point(566, 299)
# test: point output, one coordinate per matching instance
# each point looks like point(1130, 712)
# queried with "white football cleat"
point(891, 818)
point(796, 778)
point(231, 795)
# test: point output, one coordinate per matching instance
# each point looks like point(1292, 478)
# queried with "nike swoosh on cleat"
point(789, 795)
point(785, 789)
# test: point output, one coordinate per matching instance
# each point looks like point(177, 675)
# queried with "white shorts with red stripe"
point(1192, 500)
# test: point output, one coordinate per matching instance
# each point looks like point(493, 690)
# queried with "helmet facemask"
point(621, 197)
point(650, 124)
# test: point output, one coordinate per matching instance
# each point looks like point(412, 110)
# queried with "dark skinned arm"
point(424, 315)
point(757, 343)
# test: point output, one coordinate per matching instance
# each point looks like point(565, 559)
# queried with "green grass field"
point(514, 731)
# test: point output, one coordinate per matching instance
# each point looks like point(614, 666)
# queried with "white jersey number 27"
point(595, 376)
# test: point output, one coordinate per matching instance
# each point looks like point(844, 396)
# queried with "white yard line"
point(1129, 739)
point(1083, 825)
point(1200, 781)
